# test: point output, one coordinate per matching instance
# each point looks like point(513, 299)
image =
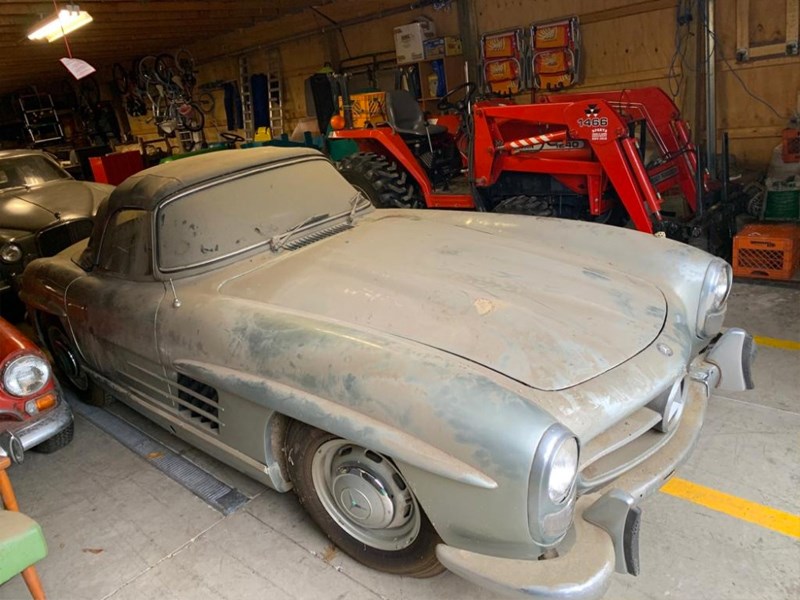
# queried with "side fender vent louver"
point(198, 401)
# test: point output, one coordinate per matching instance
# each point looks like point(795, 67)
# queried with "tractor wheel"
point(381, 180)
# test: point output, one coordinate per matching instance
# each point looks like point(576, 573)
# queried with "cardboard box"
point(409, 39)
point(452, 46)
point(434, 48)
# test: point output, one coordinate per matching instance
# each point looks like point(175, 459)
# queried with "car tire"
point(58, 441)
point(68, 365)
point(324, 467)
point(381, 180)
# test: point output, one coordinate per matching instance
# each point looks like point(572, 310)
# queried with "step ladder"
point(247, 97)
point(41, 120)
point(274, 92)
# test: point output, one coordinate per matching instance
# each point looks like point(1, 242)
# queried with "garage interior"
point(129, 510)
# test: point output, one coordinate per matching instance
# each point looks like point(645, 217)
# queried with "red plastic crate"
point(767, 251)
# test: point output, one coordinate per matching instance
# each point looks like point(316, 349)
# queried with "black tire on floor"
point(416, 559)
point(58, 441)
point(381, 180)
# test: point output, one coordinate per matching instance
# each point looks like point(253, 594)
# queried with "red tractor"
point(602, 156)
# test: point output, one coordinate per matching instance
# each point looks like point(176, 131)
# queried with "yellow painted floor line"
point(752, 512)
point(777, 343)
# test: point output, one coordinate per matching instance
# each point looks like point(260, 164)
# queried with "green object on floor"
point(782, 203)
point(21, 543)
point(211, 148)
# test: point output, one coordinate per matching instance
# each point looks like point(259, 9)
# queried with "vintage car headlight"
point(26, 375)
point(713, 296)
point(563, 470)
point(10, 253)
point(551, 489)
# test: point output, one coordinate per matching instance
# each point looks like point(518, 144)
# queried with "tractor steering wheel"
point(459, 105)
point(231, 138)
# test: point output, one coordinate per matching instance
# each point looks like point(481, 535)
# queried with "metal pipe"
point(381, 14)
point(711, 90)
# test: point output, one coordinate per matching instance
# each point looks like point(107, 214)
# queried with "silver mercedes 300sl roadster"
point(491, 394)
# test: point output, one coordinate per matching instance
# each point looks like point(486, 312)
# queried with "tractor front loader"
point(578, 156)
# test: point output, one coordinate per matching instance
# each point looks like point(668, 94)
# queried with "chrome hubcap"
point(366, 495)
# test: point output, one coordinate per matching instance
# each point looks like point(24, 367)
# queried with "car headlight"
point(551, 493)
point(26, 375)
point(713, 296)
point(10, 253)
point(563, 470)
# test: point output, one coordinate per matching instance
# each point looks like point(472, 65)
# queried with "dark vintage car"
point(491, 394)
point(33, 412)
point(42, 211)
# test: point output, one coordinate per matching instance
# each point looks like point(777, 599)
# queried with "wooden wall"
point(626, 43)
point(630, 43)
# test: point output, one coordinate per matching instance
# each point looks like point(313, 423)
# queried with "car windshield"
point(28, 171)
point(256, 209)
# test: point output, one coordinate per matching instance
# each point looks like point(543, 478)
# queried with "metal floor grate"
point(201, 483)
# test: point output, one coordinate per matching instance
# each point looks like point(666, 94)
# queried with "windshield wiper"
point(276, 242)
point(356, 202)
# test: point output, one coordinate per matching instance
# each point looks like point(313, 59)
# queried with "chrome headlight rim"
point(11, 380)
point(714, 294)
point(11, 253)
point(550, 515)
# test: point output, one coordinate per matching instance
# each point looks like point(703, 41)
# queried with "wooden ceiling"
point(122, 30)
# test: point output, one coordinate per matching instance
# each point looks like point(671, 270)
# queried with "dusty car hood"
point(37, 207)
point(546, 318)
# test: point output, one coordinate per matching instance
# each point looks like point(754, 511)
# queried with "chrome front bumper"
point(604, 534)
point(27, 434)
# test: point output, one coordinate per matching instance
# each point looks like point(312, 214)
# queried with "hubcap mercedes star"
point(366, 495)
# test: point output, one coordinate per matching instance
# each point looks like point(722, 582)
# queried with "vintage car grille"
point(198, 402)
point(622, 447)
point(54, 239)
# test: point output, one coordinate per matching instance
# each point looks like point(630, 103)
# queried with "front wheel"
point(362, 503)
point(381, 180)
point(69, 366)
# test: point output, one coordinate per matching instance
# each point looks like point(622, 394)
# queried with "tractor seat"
point(407, 118)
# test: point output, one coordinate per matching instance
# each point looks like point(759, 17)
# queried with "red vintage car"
point(33, 412)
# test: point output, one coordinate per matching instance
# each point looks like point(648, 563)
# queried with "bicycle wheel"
point(165, 68)
point(120, 76)
point(192, 117)
point(146, 69)
point(184, 60)
point(89, 90)
point(206, 102)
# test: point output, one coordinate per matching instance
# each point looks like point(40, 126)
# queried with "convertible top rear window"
point(232, 216)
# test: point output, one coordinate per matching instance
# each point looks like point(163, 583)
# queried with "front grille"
point(54, 239)
point(624, 445)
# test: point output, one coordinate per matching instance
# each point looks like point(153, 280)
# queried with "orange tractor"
point(601, 156)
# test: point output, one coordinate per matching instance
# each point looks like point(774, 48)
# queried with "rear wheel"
point(381, 180)
point(361, 501)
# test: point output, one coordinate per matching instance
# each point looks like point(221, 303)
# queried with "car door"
point(112, 311)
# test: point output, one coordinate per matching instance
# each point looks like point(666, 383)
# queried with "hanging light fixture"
point(66, 21)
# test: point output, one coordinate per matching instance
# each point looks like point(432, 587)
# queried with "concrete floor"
point(117, 528)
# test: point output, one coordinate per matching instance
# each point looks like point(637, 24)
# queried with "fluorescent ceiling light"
point(66, 21)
